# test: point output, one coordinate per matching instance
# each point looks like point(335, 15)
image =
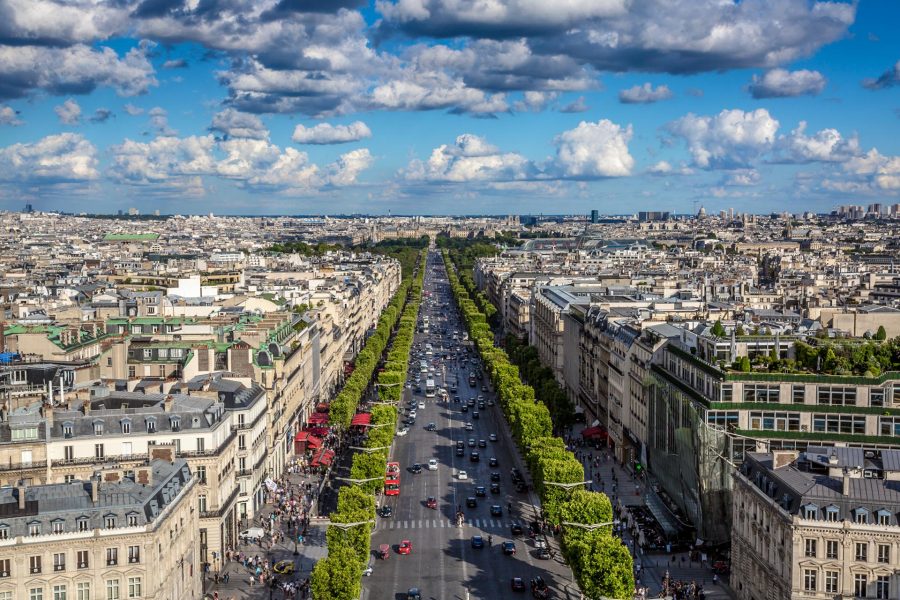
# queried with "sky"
point(448, 106)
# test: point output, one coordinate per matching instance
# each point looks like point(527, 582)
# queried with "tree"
point(602, 566)
point(881, 334)
point(739, 332)
point(357, 537)
point(337, 577)
point(718, 329)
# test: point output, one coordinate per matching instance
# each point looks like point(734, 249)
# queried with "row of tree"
point(602, 565)
point(338, 577)
point(541, 378)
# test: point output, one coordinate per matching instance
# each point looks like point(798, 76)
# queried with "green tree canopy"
point(337, 577)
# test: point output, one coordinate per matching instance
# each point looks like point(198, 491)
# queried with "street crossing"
point(484, 524)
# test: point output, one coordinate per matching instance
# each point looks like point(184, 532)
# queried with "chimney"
point(167, 404)
point(95, 489)
point(846, 489)
point(21, 489)
point(86, 407)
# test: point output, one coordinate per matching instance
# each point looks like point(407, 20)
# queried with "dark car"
point(516, 529)
point(495, 488)
point(409, 421)
point(495, 476)
point(475, 414)
point(509, 548)
point(493, 462)
point(544, 553)
point(416, 468)
point(460, 451)
point(474, 457)
point(413, 594)
point(482, 444)
point(481, 405)
point(431, 502)
point(431, 427)
point(386, 511)
point(479, 491)
point(465, 408)
point(539, 588)
point(516, 475)
point(493, 437)
point(517, 584)
point(477, 541)
point(471, 401)
point(471, 502)
point(496, 510)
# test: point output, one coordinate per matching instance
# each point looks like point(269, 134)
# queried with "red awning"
point(361, 419)
point(301, 436)
point(317, 419)
point(322, 457)
point(314, 442)
point(322, 407)
point(319, 431)
point(594, 432)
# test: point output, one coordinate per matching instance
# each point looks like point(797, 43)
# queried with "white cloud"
point(326, 133)
point(69, 112)
point(159, 121)
point(8, 116)
point(664, 167)
point(535, 101)
point(133, 110)
point(595, 150)
point(644, 94)
point(780, 83)
point(742, 177)
point(470, 158)
point(827, 145)
point(236, 124)
point(577, 106)
point(65, 157)
point(888, 79)
point(732, 138)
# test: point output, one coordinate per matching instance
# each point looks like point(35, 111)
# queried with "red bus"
point(392, 479)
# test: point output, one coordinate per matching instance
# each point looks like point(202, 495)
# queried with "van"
point(253, 533)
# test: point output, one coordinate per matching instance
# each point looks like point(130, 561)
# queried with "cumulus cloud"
point(780, 83)
point(742, 177)
point(470, 158)
point(133, 110)
point(159, 121)
point(888, 79)
point(101, 115)
point(577, 106)
point(594, 150)
point(326, 133)
point(664, 167)
point(8, 116)
point(732, 138)
point(69, 113)
point(644, 94)
point(175, 63)
point(236, 124)
point(827, 145)
point(65, 157)
point(535, 101)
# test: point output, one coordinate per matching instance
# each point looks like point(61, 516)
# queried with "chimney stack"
point(86, 407)
point(95, 489)
point(167, 404)
point(846, 488)
point(21, 489)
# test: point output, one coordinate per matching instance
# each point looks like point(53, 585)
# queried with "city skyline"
point(272, 108)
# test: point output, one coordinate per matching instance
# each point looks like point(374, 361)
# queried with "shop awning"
point(301, 436)
point(322, 407)
point(314, 442)
point(322, 457)
point(597, 431)
point(361, 419)
point(319, 431)
point(317, 419)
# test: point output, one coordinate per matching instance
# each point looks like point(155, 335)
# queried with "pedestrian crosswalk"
point(439, 523)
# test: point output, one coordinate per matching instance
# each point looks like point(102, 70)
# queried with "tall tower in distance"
point(595, 216)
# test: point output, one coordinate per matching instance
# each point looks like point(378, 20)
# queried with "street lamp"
point(590, 526)
point(376, 426)
point(347, 526)
point(369, 450)
point(568, 486)
point(359, 481)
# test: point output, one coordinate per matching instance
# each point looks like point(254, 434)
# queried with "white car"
point(421, 404)
point(462, 475)
point(412, 414)
point(469, 427)
point(432, 464)
point(403, 431)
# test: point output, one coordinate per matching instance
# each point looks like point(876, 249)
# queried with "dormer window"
point(810, 511)
point(833, 514)
point(68, 429)
point(883, 517)
point(175, 423)
point(861, 516)
point(163, 352)
point(58, 525)
point(151, 425)
point(109, 521)
point(132, 519)
point(34, 528)
point(4, 532)
point(98, 427)
point(82, 524)
point(126, 425)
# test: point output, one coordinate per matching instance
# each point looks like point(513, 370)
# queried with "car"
point(460, 451)
point(493, 462)
point(475, 414)
point(516, 475)
point(431, 502)
point(405, 547)
point(433, 464)
point(460, 443)
point(495, 476)
point(402, 432)
point(431, 427)
point(517, 584)
point(471, 442)
point(509, 548)
point(474, 457)
point(418, 388)
point(469, 427)
point(490, 402)
point(386, 511)
point(544, 553)
point(471, 502)
point(479, 491)
point(462, 475)
point(493, 437)
point(409, 421)
point(284, 567)
point(421, 404)
point(464, 408)
point(412, 414)
point(516, 529)
point(477, 541)
point(495, 488)
point(539, 588)
point(471, 401)
point(482, 444)
point(416, 468)
point(413, 594)
point(411, 403)
point(254, 533)
point(540, 543)
point(496, 510)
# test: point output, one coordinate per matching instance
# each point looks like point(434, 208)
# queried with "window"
point(5, 570)
point(163, 352)
point(201, 444)
point(68, 478)
point(831, 581)
point(112, 556)
point(58, 526)
point(59, 592)
point(883, 517)
point(151, 425)
point(876, 397)
point(132, 520)
point(83, 523)
point(832, 513)
point(83, 562)
point(6, 596)
point(109, 521)
point(201, 474)
point(36, 594)
point(809, 580)
point(34, 528)
point(774, 421)
point(109, 361)
point(4, 532)
point(883, 586)
point(201, 503)
point(798, 393)
point(242, 442)
point(112, 589)
point(34, 564)
point(69, 452)
point(831, 548)
point(131, 371)
point(889, 426)
point(884, 553)
point(862, 551)
point(83, 590)
point(176, 352)
point(148, 353)
point(68, 430)
point(126, 426)
point(59, 561)
point(175, 422)
point(242, 463)
point(860, 583)
point(837, 423)
point(861, 516)
point(98, 427)
point(760, 392)
point(810, 548)
point(837, 395)
point(98, 451)
point(24, 433)
point(134, 587)
point(134, 554)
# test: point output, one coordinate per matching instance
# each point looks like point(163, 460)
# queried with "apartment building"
point(118, 533)
point(816, 525)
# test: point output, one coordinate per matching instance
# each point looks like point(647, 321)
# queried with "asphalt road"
point(443, 564)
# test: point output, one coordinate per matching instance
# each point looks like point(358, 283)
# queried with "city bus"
point(392, 479)
point(429, 388)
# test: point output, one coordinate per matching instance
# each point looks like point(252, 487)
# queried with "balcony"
point(90, 460)
point(210, 452)
point(223, 508)
point(18, 466)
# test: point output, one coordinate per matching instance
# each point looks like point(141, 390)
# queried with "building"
point(653, 215)
point(121, 533)
point(816, 525)
point(595, 216)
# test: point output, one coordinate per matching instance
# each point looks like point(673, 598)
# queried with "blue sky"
point(448, 106)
